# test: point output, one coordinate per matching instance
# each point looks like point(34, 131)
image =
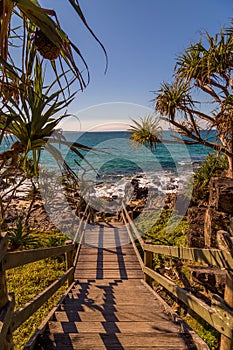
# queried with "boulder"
point(221, 194)
point(214, 221)
point(195, 236)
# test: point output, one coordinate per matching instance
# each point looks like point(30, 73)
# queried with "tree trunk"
point(230, 167)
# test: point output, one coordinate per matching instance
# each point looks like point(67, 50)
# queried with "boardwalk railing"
point(219, 315)
point(11, 319)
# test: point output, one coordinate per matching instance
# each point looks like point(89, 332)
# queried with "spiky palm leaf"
point(146, 132)
point(34, 118)
point(206, 64)
point(173, 98)
point(33, 14)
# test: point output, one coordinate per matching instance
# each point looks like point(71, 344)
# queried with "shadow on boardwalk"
point(109, 307)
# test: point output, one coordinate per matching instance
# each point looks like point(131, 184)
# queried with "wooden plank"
point(131, 223)
point(108, 258)
point(213, 257)
point(120, 341)
point(221, 324)
point(15, 259)
point(21, 315)
point(111, 275)
point(5, 319)
point(134, 246)
point(139, 314)
point(109, 327)
point(3, 245)
point(133, 309)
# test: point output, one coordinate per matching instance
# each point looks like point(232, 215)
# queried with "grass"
point(204, 330)
point(29, 280)
point(166, 229)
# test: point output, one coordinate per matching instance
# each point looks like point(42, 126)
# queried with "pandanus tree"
point(51, 41)
point(146, 132)
point(33, 115)
point(31, 118)
point(32, 97)
point(206, 68)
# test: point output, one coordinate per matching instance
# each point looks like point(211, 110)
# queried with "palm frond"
point(146, 132)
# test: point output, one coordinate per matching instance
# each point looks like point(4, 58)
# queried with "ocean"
point(113, 161)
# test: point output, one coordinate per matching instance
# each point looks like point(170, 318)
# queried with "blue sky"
point(142, 39)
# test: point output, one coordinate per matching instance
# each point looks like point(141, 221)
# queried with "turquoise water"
point(113, 160)
point(112, 153)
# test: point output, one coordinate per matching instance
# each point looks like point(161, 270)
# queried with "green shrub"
point(204, 330)
point(167, 228)
point(213, 166)
point(20, 237)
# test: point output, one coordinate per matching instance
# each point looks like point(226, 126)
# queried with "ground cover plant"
point(29, 280)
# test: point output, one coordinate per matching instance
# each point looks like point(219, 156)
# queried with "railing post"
point(225, 243)
point(227, 343)
point(148, 262)
point(8, 342)
point(70, 262)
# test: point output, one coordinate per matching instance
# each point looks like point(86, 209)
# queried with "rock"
point(214, 221)
point(221, 194)
point(134, 192)
point(212, 278)
point(220, 209)
point(195, 236)
point(170, 201)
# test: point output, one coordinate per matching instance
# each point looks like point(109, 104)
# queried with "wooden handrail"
point(131, 223)
point(9, 320)
point(16, 259)
point(80, 241)
point(221, 321)
point(214, 257)
point(221, 318)
point(133, 242)
point(21, 315)
point(79, 230)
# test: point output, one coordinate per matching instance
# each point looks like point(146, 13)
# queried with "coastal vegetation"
point(40, 73)
point(27, 281)
point(147, 131)
point(32, 108)
point(204, 67)
point(213, 166)
point(48, 37)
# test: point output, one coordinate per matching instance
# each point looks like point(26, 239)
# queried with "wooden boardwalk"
point(109, 307)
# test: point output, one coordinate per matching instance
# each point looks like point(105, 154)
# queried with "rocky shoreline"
point(27, 203)
point(205, 220)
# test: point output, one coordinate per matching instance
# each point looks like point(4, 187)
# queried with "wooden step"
point(125, 315)
point(108, 264)
point(119, 341)
point(109, 281)
point(106, 258)
point(109, 307)
point(120, 307)
point(100, 274)
point(109, 327)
